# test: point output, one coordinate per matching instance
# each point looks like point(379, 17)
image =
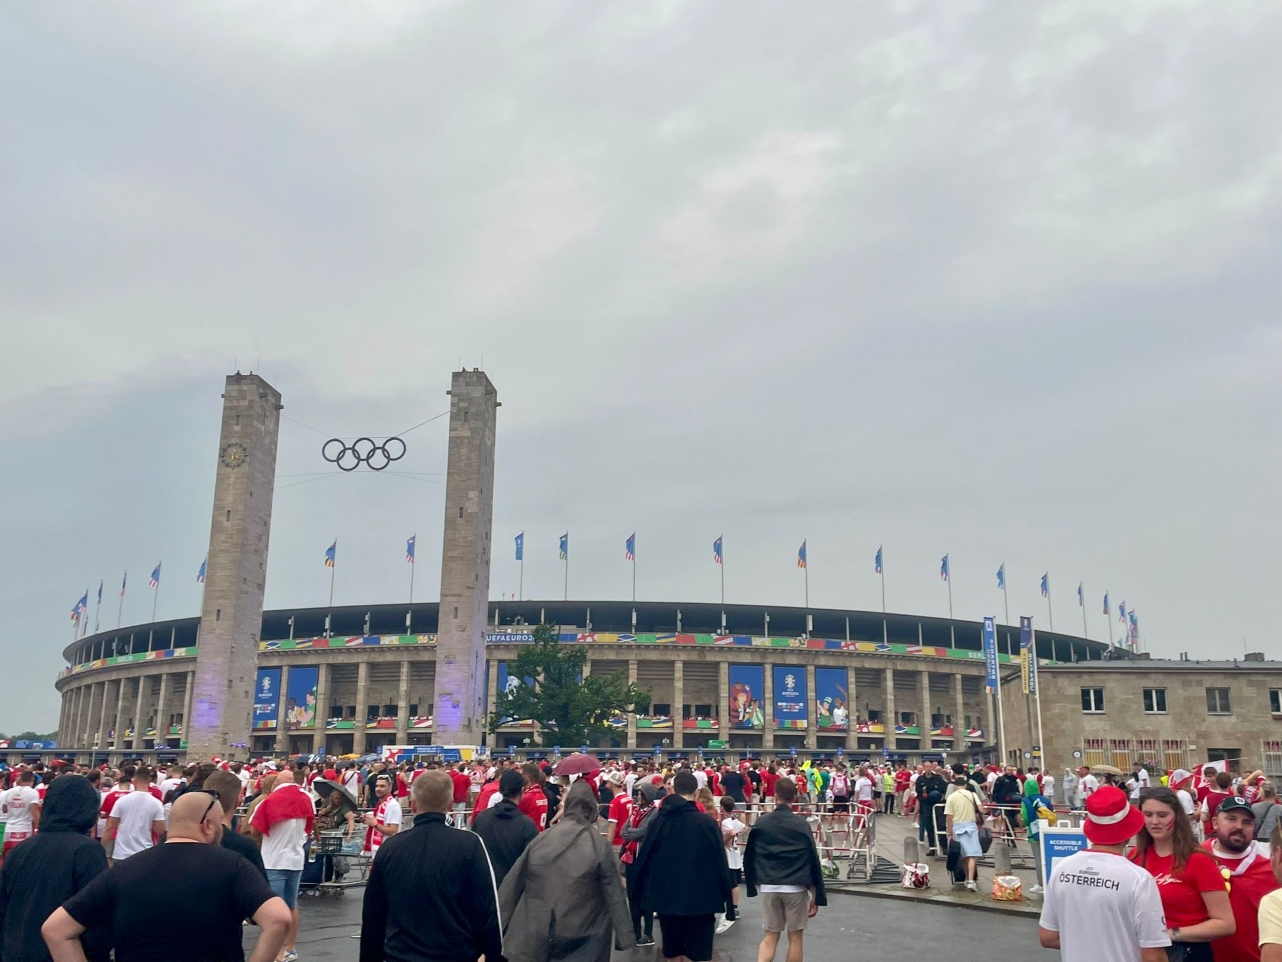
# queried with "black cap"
point(1235, 804)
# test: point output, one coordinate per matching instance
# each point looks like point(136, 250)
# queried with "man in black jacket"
point(781, 860)
point(50, 867)
point(931, 789)
point(431, 895)
point(505, 829)
point(681, 873)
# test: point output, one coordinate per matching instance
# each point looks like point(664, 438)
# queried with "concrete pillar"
point(104, 730)
point(362, 707)
point(188, 702)
point(140, 720)
point(122, 719)
point(403, 705)
point(924, 721)
point(62, 715)
point(98, 708)
point(959, 715)
point(632, 718)
point(282, 731)
point(852, 705)
point(678, 704)
point(768, 699)
point(322, 707)
point(888, 713)
point(812, 714)
point(162, 713)
point(491, 697)
point(723, 701)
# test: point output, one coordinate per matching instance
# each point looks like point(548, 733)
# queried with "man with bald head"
point(203, 890)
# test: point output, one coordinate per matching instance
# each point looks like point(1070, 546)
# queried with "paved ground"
point(852, 926)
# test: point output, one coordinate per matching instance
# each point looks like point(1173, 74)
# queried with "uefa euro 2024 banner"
point(790, 697)
point(266, 699)
point(832, 700)
point(747, 682)
point(300, 700)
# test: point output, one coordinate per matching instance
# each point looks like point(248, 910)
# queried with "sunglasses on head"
point(213, 798)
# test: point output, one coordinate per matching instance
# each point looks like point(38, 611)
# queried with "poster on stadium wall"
point(790, 697)
point(747, 682)
point(300, 699)
point(832, 701)
point(509, 683)
point(991, 680)
point(266, 699)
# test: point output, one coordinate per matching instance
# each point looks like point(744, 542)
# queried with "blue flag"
point(877, 562)
point(200, 575)
point(801, 555)
point(99, 591)
point(943, 568)
point(717, 556)
point(409, 549)
point(331, 554)
point(154, 581)
point(565, 546)
point(520, 546)
point(1046, 585)
point(1001, 577)
point(1081, 596)
point(630, 547)
point(1106, 611)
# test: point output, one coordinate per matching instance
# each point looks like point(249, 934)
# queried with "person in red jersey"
point(534, 802)
point(1244, 864)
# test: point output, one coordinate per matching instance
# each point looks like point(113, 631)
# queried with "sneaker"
point(1037, 890)
point(971, 886)
point(722, 927)
point(645, 940)
point(291, 956)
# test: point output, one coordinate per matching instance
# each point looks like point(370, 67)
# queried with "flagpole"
point(634, 573)
point(120, 611)
point(156, 595)
point(950, 591)
point(1108, 616)
point(333, 570)
point(723, 574)
point(566, 595)
point(1081, 593)
point(520, 585)
point(97, 607)
point(1006, 597)
point(885, 631)
point(413, 565)
point(1001, 717)
point(1050, 617)
point(1041, 739)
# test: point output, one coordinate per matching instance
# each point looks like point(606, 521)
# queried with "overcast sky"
point(998, 280)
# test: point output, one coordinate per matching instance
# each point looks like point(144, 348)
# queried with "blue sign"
point(990, 655)
point(790, 697)
point(1058, 843)
point(300, 699)
point(583, 749)
point(840, 751)
point(658, 749)
point(885, 752)
point(266, 699)
point(556, 749)
point(793, 752)
point(1028, 651)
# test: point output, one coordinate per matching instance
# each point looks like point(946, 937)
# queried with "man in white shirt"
point(386, 818)
point(1099, 906)
point(1087, 784)
point(1048, 786)
point(137, 819)
point(1141, 779)
point(21, 805)
point(285, 819)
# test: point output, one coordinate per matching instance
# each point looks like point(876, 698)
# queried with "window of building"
point(662, 708)
point(1175, 753)
point(1092, 699)
point(1275, 701)
point(703, 711)
point(1095, 751)
point(908, 718)
point(1155, 701)
point(1272, 752)
point(1217, 701)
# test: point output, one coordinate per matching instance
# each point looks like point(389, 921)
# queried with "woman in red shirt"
point(1195, 899)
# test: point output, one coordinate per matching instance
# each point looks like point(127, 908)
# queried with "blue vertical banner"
point(300, 699)
point(747, 682)
point(990, 655)
point(832, 700)
point(1027, 655)
point(266, 699)
point(790, 697)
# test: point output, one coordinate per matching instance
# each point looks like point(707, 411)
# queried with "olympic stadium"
point(731, 678)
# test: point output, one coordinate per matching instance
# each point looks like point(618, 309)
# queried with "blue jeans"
point(284, 882)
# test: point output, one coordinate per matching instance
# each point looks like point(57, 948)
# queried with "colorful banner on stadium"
point(510, 683)
point(266, 699)
point(1027, 655)
point(832, 701)
point(300, 699)
point(747, 682)
point(990, 655)
point(790, 697)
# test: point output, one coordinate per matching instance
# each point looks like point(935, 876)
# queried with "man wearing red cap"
point(1099, 906)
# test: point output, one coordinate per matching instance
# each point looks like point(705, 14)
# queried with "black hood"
point(71, 805)
point(507, 809)
point(674, 806)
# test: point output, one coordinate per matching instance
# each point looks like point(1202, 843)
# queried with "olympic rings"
point(365, 451)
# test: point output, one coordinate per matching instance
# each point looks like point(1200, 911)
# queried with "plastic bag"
point(1008, 888)
point(916, 875)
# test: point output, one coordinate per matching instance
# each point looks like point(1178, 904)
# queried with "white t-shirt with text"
point(19, 801)
point(1104, 907)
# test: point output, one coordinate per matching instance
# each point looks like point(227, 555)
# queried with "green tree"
point(569, 709)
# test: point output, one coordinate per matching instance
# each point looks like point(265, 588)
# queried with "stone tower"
point(232, 615)
point(465, 561)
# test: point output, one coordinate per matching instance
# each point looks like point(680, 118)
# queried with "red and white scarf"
point(285, 802)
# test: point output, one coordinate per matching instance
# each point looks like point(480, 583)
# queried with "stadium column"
point(459, 713)
point(102, 740)
point(122, 720)
point(723, 701)
point(140, 720)
point(678, 704)
point(185, 733)
point(91, 717)
point(322, 708)
point(852, 709)
point(924, 723)
point(162, 719)
point(282, 723)
point(231, 615)
point(959, 714)
point(632, 715)
point(63, 702)
point(490, 697)
point(362, 707)
point(403, 705)
point(768, 699)
point(812, 717)
point(888, 719)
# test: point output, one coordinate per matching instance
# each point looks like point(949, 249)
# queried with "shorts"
point(688, 935)
point(284, 883)
point(737, 875)
point(785, 910)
